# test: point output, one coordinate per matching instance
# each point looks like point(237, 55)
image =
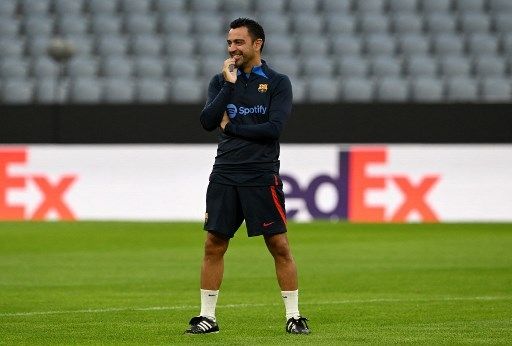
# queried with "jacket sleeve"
point(218, 97)
point(280, 109)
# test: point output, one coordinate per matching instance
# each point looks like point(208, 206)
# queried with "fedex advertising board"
point(385, 183)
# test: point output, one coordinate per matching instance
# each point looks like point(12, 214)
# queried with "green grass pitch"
point(138, 283)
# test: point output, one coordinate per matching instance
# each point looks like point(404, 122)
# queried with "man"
point(250, 103)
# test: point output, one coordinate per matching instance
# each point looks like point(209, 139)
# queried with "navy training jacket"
point(258, 107)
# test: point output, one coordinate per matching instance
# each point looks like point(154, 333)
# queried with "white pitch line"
point(189, 307)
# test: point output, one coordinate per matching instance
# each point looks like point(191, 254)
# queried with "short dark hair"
point(253, 27)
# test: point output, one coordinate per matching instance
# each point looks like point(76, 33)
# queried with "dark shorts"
point(262, 208)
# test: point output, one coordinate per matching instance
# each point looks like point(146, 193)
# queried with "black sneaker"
point(297, 326)
point(202, 325)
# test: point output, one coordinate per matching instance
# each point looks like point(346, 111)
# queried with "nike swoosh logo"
point(266, 224)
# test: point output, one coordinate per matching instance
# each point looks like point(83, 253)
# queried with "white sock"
point(291, 303)
point(208, 303)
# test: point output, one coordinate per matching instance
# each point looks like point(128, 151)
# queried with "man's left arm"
point(280, 109)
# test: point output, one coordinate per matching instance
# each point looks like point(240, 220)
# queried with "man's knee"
point(279, 247)
point(215, 245)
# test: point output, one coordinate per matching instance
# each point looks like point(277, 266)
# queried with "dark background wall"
point(340, 123)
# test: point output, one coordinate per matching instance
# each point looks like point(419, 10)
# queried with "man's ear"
point(257, 44)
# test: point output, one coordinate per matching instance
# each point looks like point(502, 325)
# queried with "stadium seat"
point(357, 89)
point(437, 23)
point(36, 45)
point(17, 91)
point(299, 88)
point(413, 44)
point(489, 66)
point(496, 90)
point(47, 91)
point(7, 8)
point(503, 23)
point(37, 25)
point(286, 64)
point(269, 6)
point(174, 23)
point(500, 6)
point(112, 45)
point(475, 22)
point(186, 90)
point(170, 6)
point(353, 66)
point(206, 23)
point(66, 7)
point(102, 24)
point(151, 91)
point(398, 6)
point(175, 45)
point(392, 90)
point(117, 66)
point(211, 66)
point(9, 27)
point(146, 44)
point(13, 67)
point(139, 24)
point(426, 89)
point(385, 66)
point(182, 68)
point(275, 24)
point(421, 66)
point(371, 23)
point(482, 44)
point(43, 66)
point(72, 24)
point(204, 5)
point(135, 6)
point(278, 44)
point(303, 6)
point(11, 47)
point(339, 24)
point(380, 44)
point(448, 44)
point(148, 67)
point(312, 45)
point(455, 66)
point(83, 44)
point(470, 5)
point(119, 90)
point(102, 6)
point(323, 89)
point(233, 14)
point(336, 7)
point(407, 23)
point(82, 67)
point(213, 44)
point(29, 7)
point(431, 6)
point(308, 24)
point(346, 45)
point(506, 44)
point(369, 6)
point(240, 5)
point(318, 66)
point(460, 89)
point(85, 90)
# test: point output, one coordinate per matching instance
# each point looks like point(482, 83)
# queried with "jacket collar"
point(259, 70)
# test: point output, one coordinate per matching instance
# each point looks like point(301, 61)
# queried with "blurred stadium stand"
point(165, 51)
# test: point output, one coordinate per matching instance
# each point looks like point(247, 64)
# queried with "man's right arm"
point(218, 97)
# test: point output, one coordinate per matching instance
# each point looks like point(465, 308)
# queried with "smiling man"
point(249, 103)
